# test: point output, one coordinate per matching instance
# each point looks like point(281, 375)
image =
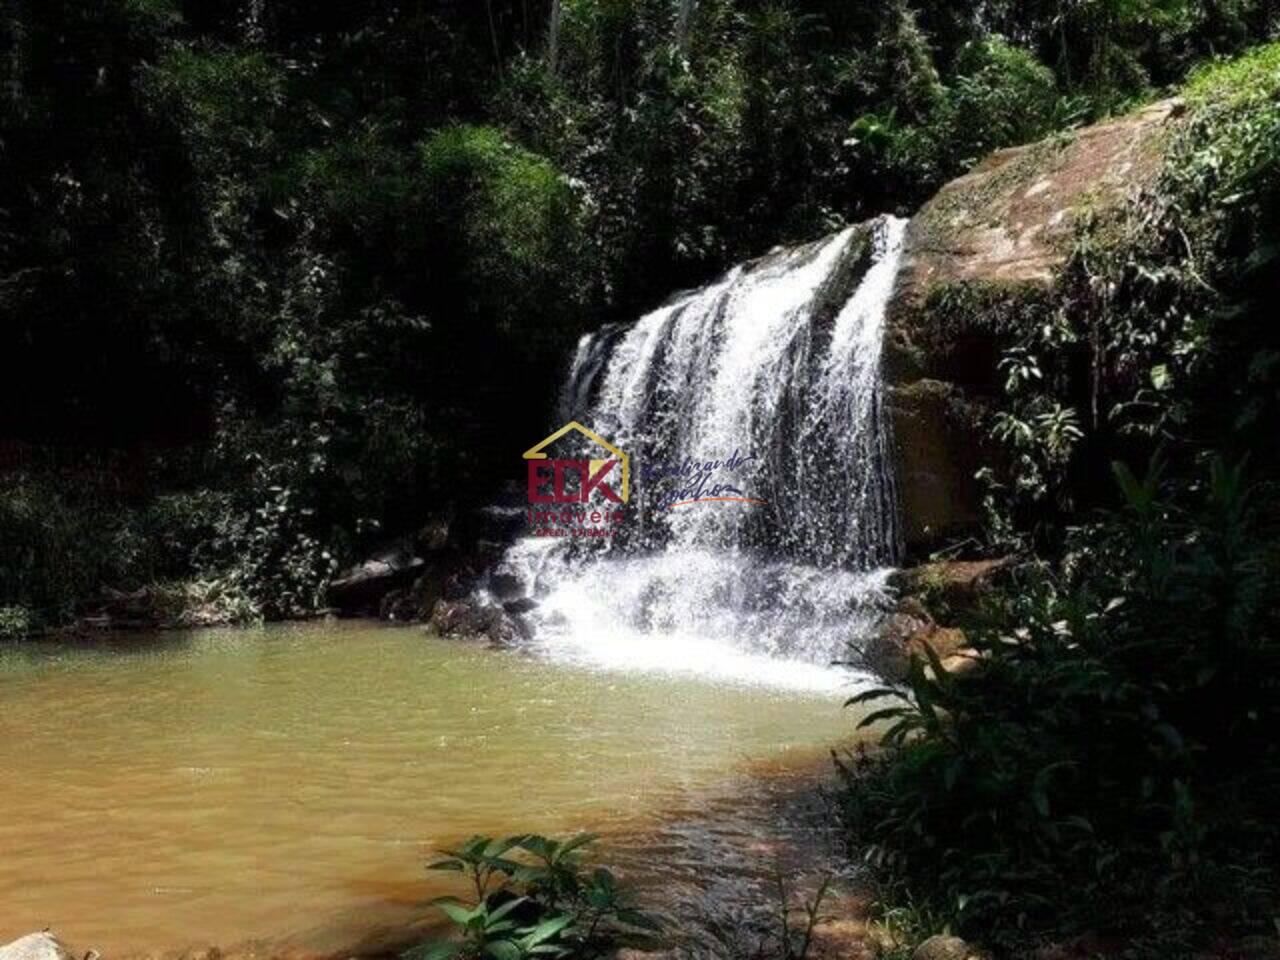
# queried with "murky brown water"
point(284, 786)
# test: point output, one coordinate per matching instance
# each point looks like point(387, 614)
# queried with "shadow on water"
point(716, 865)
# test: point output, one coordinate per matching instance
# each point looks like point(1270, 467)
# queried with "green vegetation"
point(1110, 766)
point(531, 896)
point(286, 262)
point(267, 272)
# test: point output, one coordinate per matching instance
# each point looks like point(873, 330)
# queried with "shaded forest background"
point(279, 278)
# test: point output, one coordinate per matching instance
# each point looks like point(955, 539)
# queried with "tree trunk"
point(553, 36)
point(683, 22)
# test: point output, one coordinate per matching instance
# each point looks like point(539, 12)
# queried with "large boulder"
point(951, 589)
point(1009, 220)
point(472, 620)
point(934, 599)
point(905, 634)
point(34, 946)
point(979, 262)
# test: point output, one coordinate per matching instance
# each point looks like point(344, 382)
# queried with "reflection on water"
point(285, 785)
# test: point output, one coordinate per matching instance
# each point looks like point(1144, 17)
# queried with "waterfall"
point(768, 380)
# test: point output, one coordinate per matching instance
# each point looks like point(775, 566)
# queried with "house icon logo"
point(592, 475)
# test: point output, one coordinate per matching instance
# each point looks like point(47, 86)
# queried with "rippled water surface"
point(162, 794)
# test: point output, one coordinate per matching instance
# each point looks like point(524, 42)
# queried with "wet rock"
point(941, 441)
point(521, 605)
point(501, 524)
point(468, 619)
point(459, 584)
point(505, 583)
point(454, 618)
point(904, 634)
point(933, 599)
point(434, 535)
point(947, 948)
point(394, 605)
point(506, 630)
point(951, 588)
point(34, 946)
point(360, 589)
point(426, 590)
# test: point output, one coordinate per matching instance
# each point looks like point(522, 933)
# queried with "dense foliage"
point(278, 279)
point(1109, 767)
point(304, 270)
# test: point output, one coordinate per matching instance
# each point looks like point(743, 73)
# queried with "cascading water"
point(768, 380)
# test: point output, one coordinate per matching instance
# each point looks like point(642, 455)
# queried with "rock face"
point(935, 599)
point(904, 634)
point(951, 588)
point(984, 249)
point(447, 558)
point(1008, 219)
point(361, 588)
point(35, 946)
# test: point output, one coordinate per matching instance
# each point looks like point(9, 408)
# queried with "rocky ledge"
point(934, 602)
point(977, 258)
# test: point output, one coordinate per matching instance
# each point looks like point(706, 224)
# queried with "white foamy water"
point(779, 361)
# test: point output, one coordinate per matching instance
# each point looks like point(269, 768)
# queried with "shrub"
point(532, 896)
point(1002, 95)
point(56, 547)
point(514, 218)
point(15, 622)
point(1115, 742)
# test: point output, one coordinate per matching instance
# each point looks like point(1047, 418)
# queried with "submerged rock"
point(34, 946)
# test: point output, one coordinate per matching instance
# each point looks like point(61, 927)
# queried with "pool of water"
point(282, 787)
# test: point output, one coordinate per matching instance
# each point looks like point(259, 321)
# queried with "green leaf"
point(507, 907)
point(503, 950)
point(547, 929)
point(878, 693)
point(458, 913)
point(889, 713)
point(437, 950)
